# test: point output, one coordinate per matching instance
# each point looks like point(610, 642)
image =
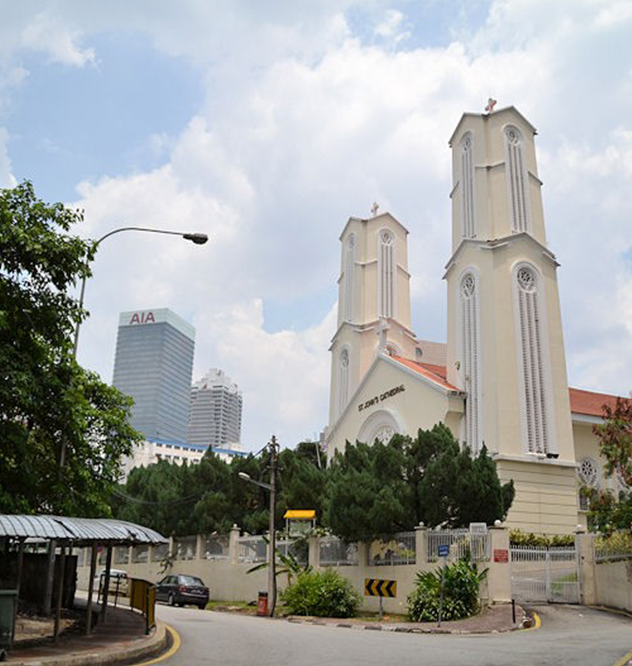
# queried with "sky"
point(267, 124)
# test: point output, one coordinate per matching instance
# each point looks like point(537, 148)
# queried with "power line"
point(182, 500)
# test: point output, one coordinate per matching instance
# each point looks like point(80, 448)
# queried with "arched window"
point(343, 383)
point(349, 277)
point(535, 384)
point(468, 224)
point(470, 354)
point(517, 180)
point(386, 273)
point(588, 475)
point(588, 472)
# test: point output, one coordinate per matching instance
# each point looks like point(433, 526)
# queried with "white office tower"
point(215, 411)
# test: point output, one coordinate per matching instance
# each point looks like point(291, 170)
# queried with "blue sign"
point(444, 550)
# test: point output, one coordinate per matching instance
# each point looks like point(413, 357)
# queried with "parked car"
point(118, 581)
point(181, 589)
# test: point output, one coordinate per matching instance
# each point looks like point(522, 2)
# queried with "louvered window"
point(470, 353)
point(517, 177)
point(535, 389)
point(468, 224)
point(386, 274)
point(349, 277)
point(343, 384)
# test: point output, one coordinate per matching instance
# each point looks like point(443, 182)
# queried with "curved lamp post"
point(198, 239)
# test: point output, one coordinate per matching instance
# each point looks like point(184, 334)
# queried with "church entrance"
point(545, 575)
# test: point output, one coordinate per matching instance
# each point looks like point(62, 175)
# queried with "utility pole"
point(272, 591)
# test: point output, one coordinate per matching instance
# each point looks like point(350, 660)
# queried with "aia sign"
point(142, 318)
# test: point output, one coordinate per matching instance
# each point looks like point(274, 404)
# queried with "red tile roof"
point(435, 373)
point(582, 402)
point(589, 403)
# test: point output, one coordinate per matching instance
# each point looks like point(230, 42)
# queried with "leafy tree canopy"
point(381, 489)
point(609, 511)
point(47, 401)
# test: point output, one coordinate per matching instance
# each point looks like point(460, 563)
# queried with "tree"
point(377, 490)
point(368, 493)
point(607, 511)
point(454, 488)
point(47, 401)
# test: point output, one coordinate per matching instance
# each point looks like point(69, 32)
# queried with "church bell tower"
point(373, 304)
point(505, 342)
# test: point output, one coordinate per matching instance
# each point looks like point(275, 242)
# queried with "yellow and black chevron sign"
point(376, 587)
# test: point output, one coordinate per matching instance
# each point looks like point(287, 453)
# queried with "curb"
point(396, 628)
point(119, 655)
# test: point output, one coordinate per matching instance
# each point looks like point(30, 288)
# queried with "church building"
point(501, 378)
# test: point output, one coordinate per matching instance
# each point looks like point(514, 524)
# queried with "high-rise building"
point(153, 365)
point(215, 414)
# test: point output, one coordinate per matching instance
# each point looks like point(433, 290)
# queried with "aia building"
point(154, 365)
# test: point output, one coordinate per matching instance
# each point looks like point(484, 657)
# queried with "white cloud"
point(306, 122)
point(391, 27)
point(6, 176)
point(48, 34)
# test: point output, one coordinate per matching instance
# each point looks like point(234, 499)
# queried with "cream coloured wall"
point(490, 184)
point(546, 496)
point(418, 406)
point(499, 340)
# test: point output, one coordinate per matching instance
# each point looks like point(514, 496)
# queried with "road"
point(569, 635)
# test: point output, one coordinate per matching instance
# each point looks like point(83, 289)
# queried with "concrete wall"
point(613, 584)
point(228, 579)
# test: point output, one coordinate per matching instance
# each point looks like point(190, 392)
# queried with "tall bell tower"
point(505, 342)
point(373, 303)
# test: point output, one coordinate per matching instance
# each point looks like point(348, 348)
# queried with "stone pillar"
point(199, 547)
point(363, 554)
point(421, 546)
point(233, 545)
point(585, 548)
point(172, 552)
point(499, 574)
point(313, 556)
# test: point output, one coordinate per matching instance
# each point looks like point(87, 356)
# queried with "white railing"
point(399, 549)
point(298, 549)
point(335, 552)
point(140, 554)
point(613, 550)
point(252, 549)
point(542, 553)
point(215, 547)
point(462, 544)
point(186, 548)
point(121, 555)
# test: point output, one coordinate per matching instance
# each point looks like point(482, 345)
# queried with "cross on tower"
point(374, 208)
point(491, 103)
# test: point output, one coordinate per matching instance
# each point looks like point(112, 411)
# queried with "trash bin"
point(8, 599)
point(262, 604)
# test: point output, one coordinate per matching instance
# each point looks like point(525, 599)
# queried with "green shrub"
point(520, 538)
point(321, 594)
point(460, 593)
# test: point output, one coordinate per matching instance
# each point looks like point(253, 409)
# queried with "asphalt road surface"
point(568, 635)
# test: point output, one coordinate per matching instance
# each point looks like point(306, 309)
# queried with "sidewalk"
point(120, 639)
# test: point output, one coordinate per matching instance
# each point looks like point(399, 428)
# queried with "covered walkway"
point(60, 534)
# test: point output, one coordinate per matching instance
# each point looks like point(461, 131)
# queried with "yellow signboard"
point(377, 587)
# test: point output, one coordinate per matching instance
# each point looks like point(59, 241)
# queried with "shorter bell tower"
point(373, 303)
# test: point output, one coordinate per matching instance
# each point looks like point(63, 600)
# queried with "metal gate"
point(540, 574)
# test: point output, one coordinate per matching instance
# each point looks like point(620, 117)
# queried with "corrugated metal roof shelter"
point(64, 533)
point(77, 531)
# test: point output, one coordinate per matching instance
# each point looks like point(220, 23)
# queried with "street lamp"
point(271, 487)
point(196, 238)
